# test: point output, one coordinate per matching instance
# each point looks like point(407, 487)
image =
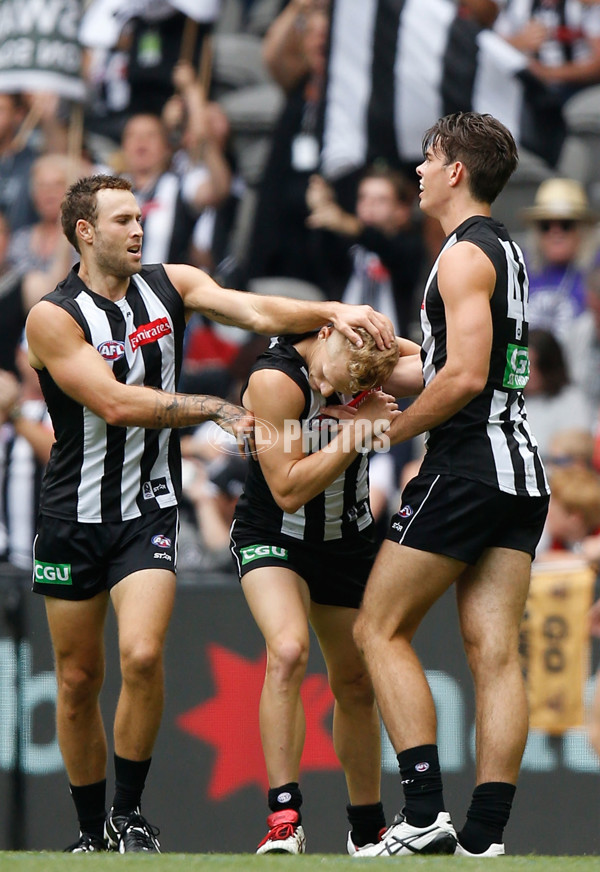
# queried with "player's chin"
point(132, 268)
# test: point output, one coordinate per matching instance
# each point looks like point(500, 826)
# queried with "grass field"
point(48, 862)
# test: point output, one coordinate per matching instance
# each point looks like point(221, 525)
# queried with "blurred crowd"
point(218, 127)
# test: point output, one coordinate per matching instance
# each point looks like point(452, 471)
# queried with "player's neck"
point(457, 213)
point(306, 348)
point(109, 286)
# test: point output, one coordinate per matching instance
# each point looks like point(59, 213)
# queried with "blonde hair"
point(369, 366)
point(571, 446)
point(577, 489)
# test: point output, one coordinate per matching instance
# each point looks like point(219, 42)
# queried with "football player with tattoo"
point(107, 344)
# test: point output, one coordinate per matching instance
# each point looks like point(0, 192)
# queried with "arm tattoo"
point(184, 410)
point(221, 317)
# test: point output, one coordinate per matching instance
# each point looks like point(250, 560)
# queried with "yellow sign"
point(555, 644)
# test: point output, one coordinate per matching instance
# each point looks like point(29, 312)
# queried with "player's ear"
point(325, 332)
point(83, 229)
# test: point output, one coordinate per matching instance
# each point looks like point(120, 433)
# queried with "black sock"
point(130, 778)
point(422, 783)
point(487, 816)
point(366, 822)
point(287, 796)
point(90, 804)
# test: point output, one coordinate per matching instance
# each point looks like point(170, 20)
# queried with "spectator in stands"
point(583, 346)
point(26, 437)
point(549, 396)
point(198, 132)
point(570, 447)
point(574, 511)
point(384, 247)
point(19, 291)
point(558, 253)
point(561, 39)
point(294, 51)
point(33, 246)
point(16, 159)
point(170, 203)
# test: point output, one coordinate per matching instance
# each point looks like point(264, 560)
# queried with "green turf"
point(49, 861)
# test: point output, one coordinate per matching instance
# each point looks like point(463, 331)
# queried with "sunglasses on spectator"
point(564, 224)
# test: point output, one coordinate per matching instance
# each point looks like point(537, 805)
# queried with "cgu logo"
point(112, 349)
point(253, 552)
point(52, 573)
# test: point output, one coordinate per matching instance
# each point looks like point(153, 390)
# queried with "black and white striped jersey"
point(98, 472)
point(342, 509)
point(489, 440)
point(20, 485)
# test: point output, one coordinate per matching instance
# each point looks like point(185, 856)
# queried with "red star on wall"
point(229, 722)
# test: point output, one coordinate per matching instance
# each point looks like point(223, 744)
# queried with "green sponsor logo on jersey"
point(516, 374)
point(255, 552)
point(52, 573)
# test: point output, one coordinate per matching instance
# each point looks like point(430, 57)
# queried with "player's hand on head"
point(348, 317)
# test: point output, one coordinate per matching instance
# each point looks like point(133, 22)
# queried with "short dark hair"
point(482, 143)
point(550, 361)
point(80, 202)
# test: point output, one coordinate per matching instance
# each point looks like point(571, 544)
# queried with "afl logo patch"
point(112, 350)
point(161, 541)
point(405, 512)
point(422, 767)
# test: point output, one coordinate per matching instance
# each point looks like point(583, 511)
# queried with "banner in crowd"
point(39, 47)
point(555, 644)
point(396, 67)
point(104, 20)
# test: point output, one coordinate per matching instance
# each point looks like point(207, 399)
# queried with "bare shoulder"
point(46, 317)
point(178, 272)
point(45, 322)
point(464, 252)
point(185, 277)
point(272, 393)
point(466, 267)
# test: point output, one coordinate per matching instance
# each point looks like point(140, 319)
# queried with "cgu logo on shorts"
point(111, 350)
point(151, 332)
point(255, 552)
point(52, 573)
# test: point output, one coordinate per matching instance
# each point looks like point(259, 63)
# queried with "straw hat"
point(560, 199)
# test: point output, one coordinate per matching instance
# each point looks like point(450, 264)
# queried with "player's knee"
point(488, 656)
point(141, 662)
point(78, 685)
point(287, 657)
point(353, 689)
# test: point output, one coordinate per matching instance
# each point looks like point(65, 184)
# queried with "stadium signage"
point(39, 47)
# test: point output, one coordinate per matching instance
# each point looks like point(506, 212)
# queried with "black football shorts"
point(460, 518)
point(336, 572)
point(76, 561)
